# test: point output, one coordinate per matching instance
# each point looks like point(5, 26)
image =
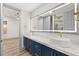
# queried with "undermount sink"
point(60, 43)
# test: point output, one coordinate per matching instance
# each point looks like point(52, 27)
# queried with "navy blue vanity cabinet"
point(27, 43)
point(45, 51)
point(36, 49)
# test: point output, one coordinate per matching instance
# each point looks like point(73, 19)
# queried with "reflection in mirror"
point(37, 23)
point(43, 22)
point(58, 22)
point(64, 18)
point(47, 23)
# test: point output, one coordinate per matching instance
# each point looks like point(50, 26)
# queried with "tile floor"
point(11, 48)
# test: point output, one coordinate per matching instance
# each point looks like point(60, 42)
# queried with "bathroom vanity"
point(42, 46)
point(38, 49)
point(58, 20)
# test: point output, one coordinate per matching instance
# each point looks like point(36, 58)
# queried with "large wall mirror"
point(60, 19)
point(64, 18)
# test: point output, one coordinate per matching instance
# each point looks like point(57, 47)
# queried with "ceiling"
point(11, 13)
point(29, 7)
point(11, 9)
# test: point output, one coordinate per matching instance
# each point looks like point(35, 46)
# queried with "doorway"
point(10, 37)
point(10, 32)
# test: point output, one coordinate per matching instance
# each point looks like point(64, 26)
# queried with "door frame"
point(1, 30)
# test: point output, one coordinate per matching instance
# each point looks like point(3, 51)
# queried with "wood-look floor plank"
point(11, 48)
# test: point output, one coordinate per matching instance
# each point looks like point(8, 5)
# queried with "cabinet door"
point(36, 49)
point(27, 43)
point(46, 51)
point(52, 52)
point(30, 45)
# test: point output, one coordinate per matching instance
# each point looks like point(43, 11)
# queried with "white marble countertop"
point(67, 47)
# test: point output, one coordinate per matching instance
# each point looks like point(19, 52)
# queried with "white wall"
point(12, 28)
point(25, 24)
